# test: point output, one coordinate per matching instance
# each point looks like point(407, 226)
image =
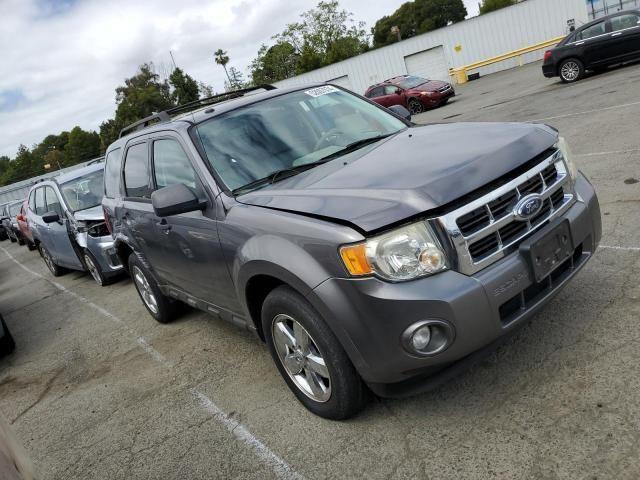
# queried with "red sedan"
point(23, 225)
point(414, 93)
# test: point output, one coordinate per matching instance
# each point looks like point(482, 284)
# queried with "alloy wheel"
point(415, 107)
point(570, 71)
point(93, 270)
point(144, 288)
point(299, 354)
point(47, 258)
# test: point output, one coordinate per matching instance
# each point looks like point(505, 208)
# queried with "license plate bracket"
point(548, 249)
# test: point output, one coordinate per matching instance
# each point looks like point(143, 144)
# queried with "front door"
point(62, 249)
point(193, 259)
point(596, 43)
point(625, 35)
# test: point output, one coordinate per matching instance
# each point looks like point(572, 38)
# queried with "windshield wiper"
point(352, 147)
point(277, 175)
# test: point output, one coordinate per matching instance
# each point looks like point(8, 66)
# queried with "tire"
point(20, 239)
point(31, 246)
point(571, 70)
point(160, 307)
point(7, 344)
point(93, 267)
point(338, 391)
point(55, 270)
point(13, 239)
point(415, 106)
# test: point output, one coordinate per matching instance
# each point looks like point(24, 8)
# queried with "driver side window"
point(171, 165)
point(53, 203)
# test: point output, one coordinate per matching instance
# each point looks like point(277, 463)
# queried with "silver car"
point(67, 222)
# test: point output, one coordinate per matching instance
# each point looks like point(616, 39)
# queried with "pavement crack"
point(44, 392)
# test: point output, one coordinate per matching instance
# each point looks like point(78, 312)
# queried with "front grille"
point(483, 230)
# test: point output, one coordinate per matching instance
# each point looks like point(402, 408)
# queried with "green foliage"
point(236, 80)
point(326, 34)
point(221, 58)
point(205, 90)
point(490, 5)
point(185, 88)
point(417, 17)
point(82, 146)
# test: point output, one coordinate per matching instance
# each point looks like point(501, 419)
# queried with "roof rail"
point(165, 116)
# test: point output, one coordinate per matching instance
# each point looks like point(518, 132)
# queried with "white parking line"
point(586, 112)
point(615, 152)
point(627, 249)
point(279, 467)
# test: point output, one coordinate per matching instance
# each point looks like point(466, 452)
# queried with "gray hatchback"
point(370, 254)
point(67, 222)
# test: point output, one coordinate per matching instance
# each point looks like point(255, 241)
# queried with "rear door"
point(625, 35)
point(390, 96)
point(137, 212)
point(38, 227)
point(596, 43)
point(193, 259)
point(62, 249)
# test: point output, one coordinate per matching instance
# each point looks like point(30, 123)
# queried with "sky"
point(63, 59)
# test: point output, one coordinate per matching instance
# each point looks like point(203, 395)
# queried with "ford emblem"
point(528, 207)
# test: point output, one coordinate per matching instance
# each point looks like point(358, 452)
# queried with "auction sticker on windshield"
point(319, 91)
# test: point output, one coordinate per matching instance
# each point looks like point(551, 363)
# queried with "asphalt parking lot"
point(98, 390)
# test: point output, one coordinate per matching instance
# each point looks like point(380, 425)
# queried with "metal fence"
point(19, 190)
point(601, 8)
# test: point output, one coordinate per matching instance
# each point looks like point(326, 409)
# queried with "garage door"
point(342, 81)
point(429, 64)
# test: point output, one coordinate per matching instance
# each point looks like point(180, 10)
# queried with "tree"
point(205, 90)
point(109, 133)
point(326, 34)
point(417, 17)
point(140, 96)
point(236, 81)
point(185, 88)
point(490, 5)
point(221, 58)
point(82, 146)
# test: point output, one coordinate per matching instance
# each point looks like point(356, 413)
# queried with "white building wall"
point(495, 33)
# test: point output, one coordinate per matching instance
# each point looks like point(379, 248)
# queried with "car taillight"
point(107, 219)
point(547, 55)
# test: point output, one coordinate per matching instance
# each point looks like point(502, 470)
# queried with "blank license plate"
point(548, 249)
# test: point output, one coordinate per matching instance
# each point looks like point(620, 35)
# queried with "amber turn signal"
point(355, 259)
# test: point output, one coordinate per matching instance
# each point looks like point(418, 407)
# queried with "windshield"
point(411, 82)
point(83, 192)
point(15, 209)
point(289, 131)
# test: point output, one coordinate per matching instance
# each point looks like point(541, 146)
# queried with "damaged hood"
point(90, 214)
point(417, 170)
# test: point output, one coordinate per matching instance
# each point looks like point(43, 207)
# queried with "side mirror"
point(401, 111)
point(398, 91)
point(50, 217)
point(174, 200)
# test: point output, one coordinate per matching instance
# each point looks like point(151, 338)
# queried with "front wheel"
point(310, 358)
point(93, 267)
point(161, 308)
point(571, 70)
point(55, 270)
point(415, 106)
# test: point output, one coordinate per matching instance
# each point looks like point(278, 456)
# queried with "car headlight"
point(403, 254)
point(563, 147)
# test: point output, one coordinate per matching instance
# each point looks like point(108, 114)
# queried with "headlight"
point(568, 159)
point(403, 254)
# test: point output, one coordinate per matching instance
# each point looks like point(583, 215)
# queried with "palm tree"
point(221, 58)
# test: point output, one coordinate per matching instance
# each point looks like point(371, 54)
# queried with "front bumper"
point(370, 315)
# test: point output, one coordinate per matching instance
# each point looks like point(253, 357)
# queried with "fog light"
point(428, 337)
point(421, 338)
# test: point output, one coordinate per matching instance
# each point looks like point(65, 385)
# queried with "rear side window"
point(376, 92)
point(624, 21)
point(171, 165)
point(112, 173)
point(593, 31)
point(136, 171)
point(41, 206)
point(32, 200)
point(53, 202)
point(390, 89)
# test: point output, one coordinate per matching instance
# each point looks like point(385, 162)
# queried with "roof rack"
point(165, 116)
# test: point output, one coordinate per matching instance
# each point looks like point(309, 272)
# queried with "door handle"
point(617, 34)
point(163, 226)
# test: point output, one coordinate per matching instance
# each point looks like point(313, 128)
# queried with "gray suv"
point(370, 254)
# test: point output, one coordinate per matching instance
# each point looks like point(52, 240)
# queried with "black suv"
point(367, 252)
point(595, 46)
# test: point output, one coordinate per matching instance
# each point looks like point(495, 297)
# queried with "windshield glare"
point(411, 82)
point(289, 131)
point(83, 192)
